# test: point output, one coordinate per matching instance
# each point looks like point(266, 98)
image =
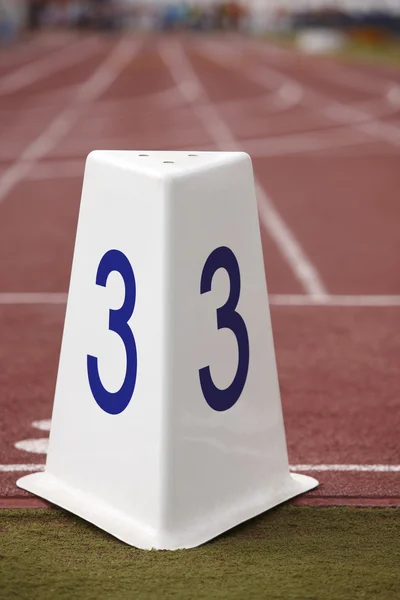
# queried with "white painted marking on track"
point(327, 468)
point(358, 118)
point(334, 300)
point(393, 95)
point(33, 298)
point(20, 468)
point(343, 300)
point(290, 248)
point(346, 114)
point(338, 138)
point(350, 78)
point(286, 145)
point(375, 108)
point(348, 468)
point(323, 104)
point(103, 77)
point(339, 73)
point(371, 150)
point(289, 93)
point(384, 131)
point(181, 69)
point(44, 67)
point(35, 445)
point(43, 425)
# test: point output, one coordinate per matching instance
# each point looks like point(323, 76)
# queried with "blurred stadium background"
point(368, 21)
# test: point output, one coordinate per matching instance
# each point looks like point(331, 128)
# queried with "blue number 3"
point(115, 402)
point(227, 317)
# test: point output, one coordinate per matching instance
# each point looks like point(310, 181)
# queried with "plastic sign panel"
point(167, 426)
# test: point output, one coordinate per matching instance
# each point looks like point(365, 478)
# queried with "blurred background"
point(332, 23)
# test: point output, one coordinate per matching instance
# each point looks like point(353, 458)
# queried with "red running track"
point(325, 141)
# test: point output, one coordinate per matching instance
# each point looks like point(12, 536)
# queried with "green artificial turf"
point(289, 552)
point(385, 52)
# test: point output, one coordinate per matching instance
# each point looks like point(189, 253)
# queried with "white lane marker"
point(103, 77)
point(349, 468)
point(286, 145)
point(346, 77)
point(43, 425)
point(370, 150)
point(377, 108)
point(20, 468)
point(346, 114)
point(393, 95)
point(288, 92)
point(343, 300)
point(334, 300)
point(181, 70)
point(33, 298)
point(332, 109)
point(383, 131)
point(359, 118)
point(327, 468)
point(44, 67)
point(290, 248)
point(338, 138)
point(35, 445)
point(291, 93)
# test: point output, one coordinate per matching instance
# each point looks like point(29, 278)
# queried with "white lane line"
point(348, 468)
point(331, 109)
point(334, 300)
point(327, 468)
point(344, 300)
point(20, 468)
point(43, 424)
point(33, 298)
point(191, 87)
point(357, 116)
point(286, 145)
point(376, 108)
point(288, 93)
point(346, 76)
point(290, 248)
point(35, 445)
point(393, 95)
point(371, 150)
point(44, 67)
point(103, 77)
point(338, 138)
point(350, 78)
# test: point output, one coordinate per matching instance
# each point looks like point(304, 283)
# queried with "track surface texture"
point(324, 137)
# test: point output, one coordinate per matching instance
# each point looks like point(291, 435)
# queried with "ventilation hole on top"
point(168, 161)
point(192, 154)
point(144, 155)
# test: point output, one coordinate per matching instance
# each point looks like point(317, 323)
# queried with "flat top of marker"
point(169, 162)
